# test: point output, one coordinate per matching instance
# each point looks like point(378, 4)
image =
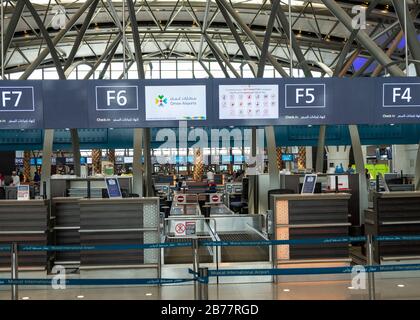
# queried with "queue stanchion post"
point(88, 189)
point(203, 284)
point(44, 190)
point(14, 270)
point(196, 266)
point(336, 184)
point(371, 275)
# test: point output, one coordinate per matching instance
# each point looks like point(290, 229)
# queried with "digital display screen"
point(113, 187)
point(287, 157)
point(128, 159)
point(248, 102)
point(239, 159)
point(175, 103)
point(19, 161)
point(226, 159)
point(89, 160)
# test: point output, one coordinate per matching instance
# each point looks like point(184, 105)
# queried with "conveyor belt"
point(243, 254)
point(182, 255)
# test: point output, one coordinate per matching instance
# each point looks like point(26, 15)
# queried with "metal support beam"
point(216, 50)
point(8, 36)
point(252, 179)
point(363, 38)
point(147, 138)
point(270, 24)
point(273, 169)
point(406, 21)
point(47, 39)
point(75, 143)
point(349, 43)
point(319, 164)
point(44, 53)
point(81, 34)
point(47, 151)
point(136, 39)
point(238, 39)
point(371, 59)
point(203, 29)
point(137, 166)
point(252, 36)
point(360, 168)
point(389, 53)
point(103, 56)
point(108, 62)
point(295, 45)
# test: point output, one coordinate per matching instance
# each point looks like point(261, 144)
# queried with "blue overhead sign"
point(17, 99)
point(114, 104)
point(397, 100)
point(55, 104)
point(116, 98)
point(21, 105)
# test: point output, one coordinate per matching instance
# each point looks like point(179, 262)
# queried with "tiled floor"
point(408, 288)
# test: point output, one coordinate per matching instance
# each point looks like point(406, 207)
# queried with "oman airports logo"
point(161, 101)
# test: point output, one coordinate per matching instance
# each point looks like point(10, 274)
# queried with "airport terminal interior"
point(210, 150)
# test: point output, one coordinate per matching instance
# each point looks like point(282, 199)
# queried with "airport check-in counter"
point(124, 221)
point(305, 216)
point(394, 214)
point(65, 215)
point(294, 182)
point(24, 222)
point(78, 187)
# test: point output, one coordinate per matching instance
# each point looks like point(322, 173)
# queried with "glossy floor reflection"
point(408, 288)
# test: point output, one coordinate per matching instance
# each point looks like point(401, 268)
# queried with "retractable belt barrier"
point(91, 282)
point(23, 247)
point(212, 273)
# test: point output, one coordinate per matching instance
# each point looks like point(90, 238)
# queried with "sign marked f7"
point(305, 96)
point(15, 99)
point(401, 95)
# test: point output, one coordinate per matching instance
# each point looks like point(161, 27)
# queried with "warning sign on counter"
point(185, 228)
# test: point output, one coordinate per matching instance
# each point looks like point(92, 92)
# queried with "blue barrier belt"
point(301, 271)
point(209, 243)
point(88, 282)
point(283, 242)
point(105, 247)
point(397, 238)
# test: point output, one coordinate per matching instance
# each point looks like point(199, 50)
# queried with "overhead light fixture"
point(401, 286)
point(286, 290)
point(80, 297)
point(149, 294)
point(25, 298)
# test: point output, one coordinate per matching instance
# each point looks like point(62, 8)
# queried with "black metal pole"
point(44, 190)
point(88, 189)
point(336, 184)
point(14, 270)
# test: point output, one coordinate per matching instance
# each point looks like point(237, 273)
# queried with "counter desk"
point(306, 216)
point(394, 214)
point(124, 221)
point(25, 222)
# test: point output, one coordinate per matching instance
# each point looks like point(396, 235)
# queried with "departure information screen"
point(175, 103)
point(248, 101)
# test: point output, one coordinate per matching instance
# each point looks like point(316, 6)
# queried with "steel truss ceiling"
point(222, 30)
